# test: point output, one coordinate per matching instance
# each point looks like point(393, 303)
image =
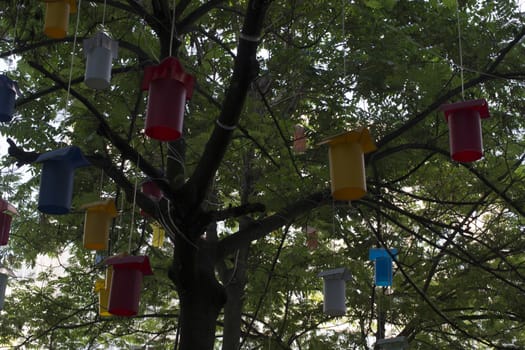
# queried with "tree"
point(237, 199)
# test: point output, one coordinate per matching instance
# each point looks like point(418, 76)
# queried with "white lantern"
point(99, 50)
point(334, 290)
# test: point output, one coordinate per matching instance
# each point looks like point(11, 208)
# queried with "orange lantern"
point(97, 222)
point(57, 17)
point(299, 139)
point(347, 164)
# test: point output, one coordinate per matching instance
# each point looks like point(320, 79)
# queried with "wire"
point(460, 52)
point(72, 58)
point(172, 27)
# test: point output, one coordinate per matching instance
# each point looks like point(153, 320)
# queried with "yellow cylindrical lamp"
point(347, 165)
point(158, 235)
point(57, 17)
point(103, 297)
point(97, 222)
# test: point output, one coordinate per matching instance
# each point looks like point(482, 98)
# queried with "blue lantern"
point(56, 181)
point(8, 92)
point(383, 265)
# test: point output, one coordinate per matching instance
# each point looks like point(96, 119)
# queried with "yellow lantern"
point(97, 222)
point(103, 297)
point(347, 164)
point(158, 235)
point(57, 17)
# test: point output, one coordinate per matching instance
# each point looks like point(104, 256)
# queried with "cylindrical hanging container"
point(334, 291)
point(4, 274)
point(169, 87)
point(8, 92)
point(126, 283)
point(56, 180)
point(97, 223)
point(464, 125)
point(56, 20)
point(347, 166)
point(103, 297)
point(6, 215)
point(152, 190)
point(383, 276)
point(100, 51)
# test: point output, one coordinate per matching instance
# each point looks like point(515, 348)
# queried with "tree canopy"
point(250, 219)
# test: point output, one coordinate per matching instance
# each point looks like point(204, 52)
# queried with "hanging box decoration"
point(299, 139)
point(334, 291)
point(464, 125)
point(97, 223)
point(150, 189)
point(8, 91)
point(57, 17)
point(126, 283)
point(4, 274)
point(383, 265)
point(347, 164)
point(6, 214)
point(56, 181)
point(158, 235)
point(100, 51)
point(103, 297)
point(169, 87)
point(398, 343)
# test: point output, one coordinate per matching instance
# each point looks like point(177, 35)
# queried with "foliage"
point(330, 66)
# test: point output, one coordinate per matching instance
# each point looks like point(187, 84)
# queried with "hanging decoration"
point(102, 287)
point(56, 181)
point(299, 139)
point(56, 20)
point(99, 51)
point(383, 265)
point(126, 283)
point(97, 223)
point(152, 190)
point(4, 274)
point(347, 165)
point(8, 92)
point(158, 235)
point(398, 343)
point(312, 241)
point(6, 215)
point(464, 125)
point(334, 291)
point(169, 87)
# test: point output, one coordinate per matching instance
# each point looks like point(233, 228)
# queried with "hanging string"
point(132, 226)
point(72, 57)
point(460, 52)
point(172, 27)
point(101, 182)
point(344, 42)
point(11, 59)
point(104, 14)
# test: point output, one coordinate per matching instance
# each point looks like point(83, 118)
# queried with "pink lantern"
point(299, 139)
point(126, 283)
point(169, 87)
point(6, 213)
point(150, 189)
point(464, 124)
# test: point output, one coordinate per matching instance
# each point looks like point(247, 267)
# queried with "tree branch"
point(234, 212)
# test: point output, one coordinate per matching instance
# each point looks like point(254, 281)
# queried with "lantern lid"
point(375, 253)
point(72, 4)
point(398, 343)
point(169, 68)
point(361, 136)
point(7, 208)
point(340, 273)
point(101, 39)
point(107, 206)
point(123, 262)
point(9, 84)
point(72, 155)
point(479, 106)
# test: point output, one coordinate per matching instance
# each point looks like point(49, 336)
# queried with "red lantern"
point(464, 124)
point(126, 283)
point(169, 87)
point(6, 213)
